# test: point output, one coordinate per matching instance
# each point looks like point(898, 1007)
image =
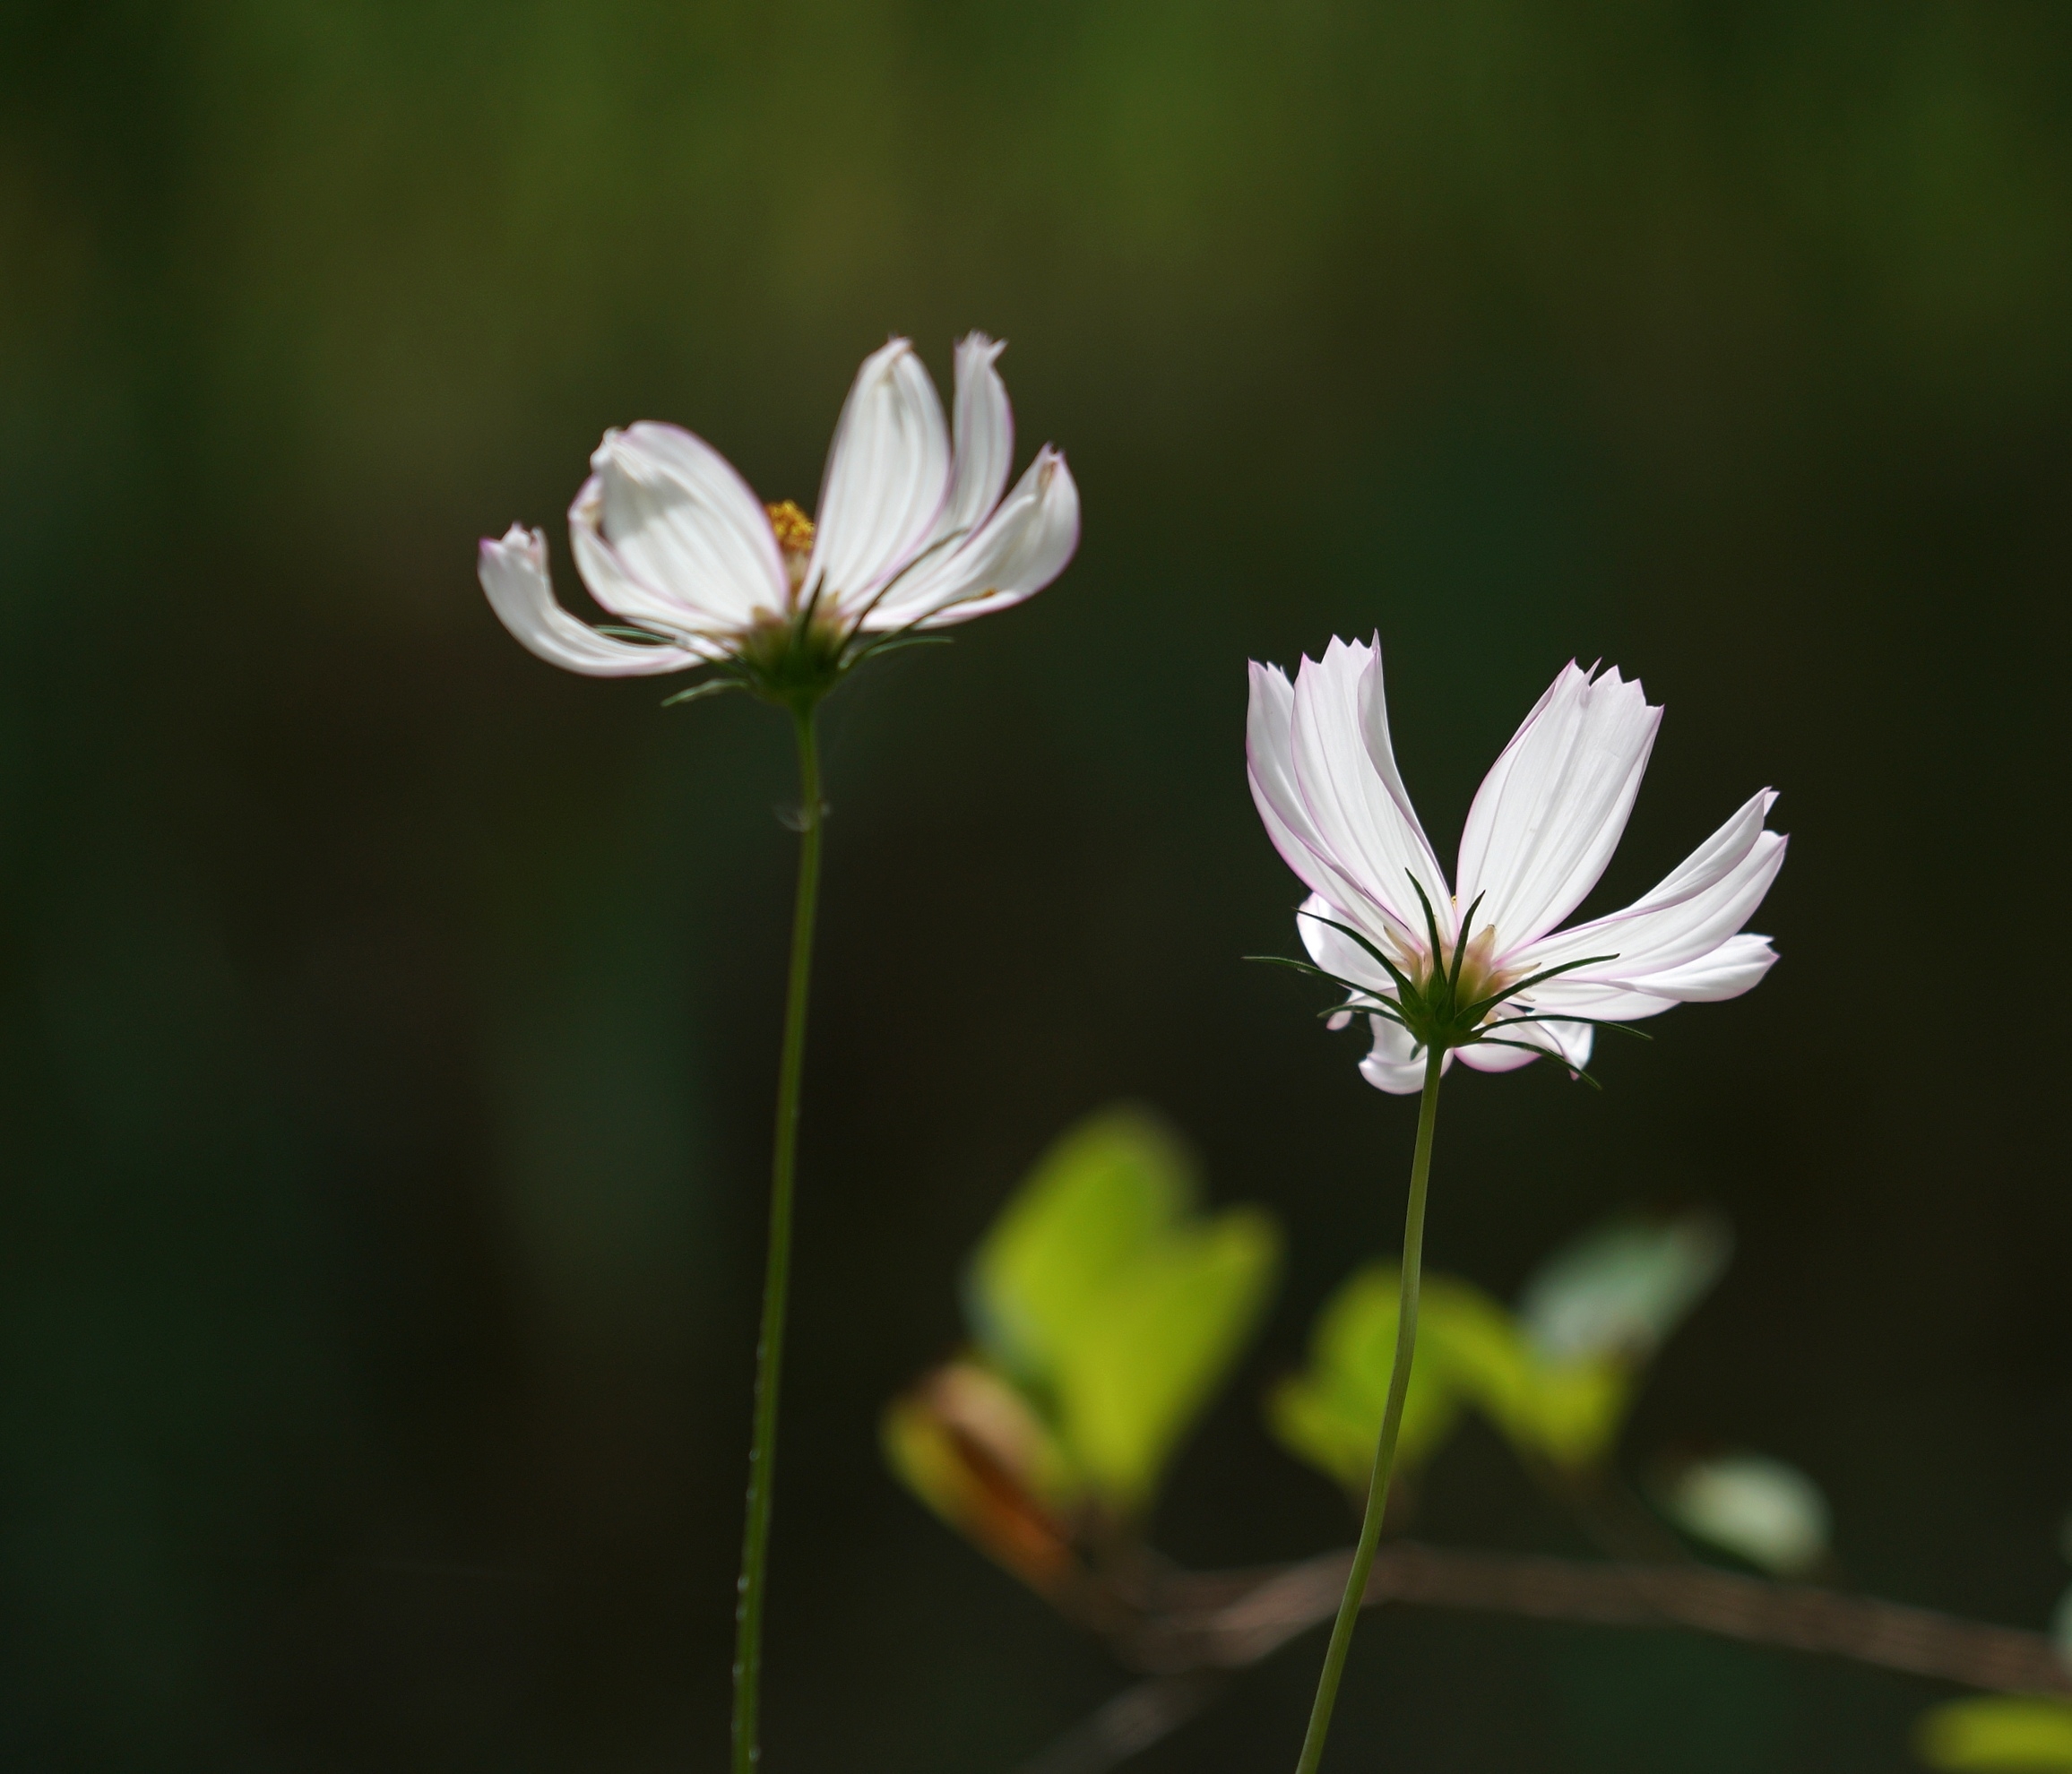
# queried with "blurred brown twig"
point(1180, 1628)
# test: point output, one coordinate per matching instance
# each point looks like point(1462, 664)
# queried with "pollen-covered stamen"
point(794, 533)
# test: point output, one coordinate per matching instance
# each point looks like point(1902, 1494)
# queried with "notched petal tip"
point(515, 578)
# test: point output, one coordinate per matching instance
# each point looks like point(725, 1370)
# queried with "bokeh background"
point(388, 1021)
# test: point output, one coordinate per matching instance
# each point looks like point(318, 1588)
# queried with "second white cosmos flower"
point(1481, 969)
point(911, 531)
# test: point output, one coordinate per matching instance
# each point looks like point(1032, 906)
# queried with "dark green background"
point(387, 1021)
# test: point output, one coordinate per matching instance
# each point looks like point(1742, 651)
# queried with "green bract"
point(1455, 1000)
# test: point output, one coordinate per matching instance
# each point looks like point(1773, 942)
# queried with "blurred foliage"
point(1105, 1309)
point(1106, 1293)
point(1759, 1509)
point(1556, 1378)
point(386, 1019)
point(1330, 1414)
point(1618, 1292)
point(1998, 1734)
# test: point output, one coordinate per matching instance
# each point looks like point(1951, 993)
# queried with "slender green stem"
point(1420, 1168)
point(777, 1268)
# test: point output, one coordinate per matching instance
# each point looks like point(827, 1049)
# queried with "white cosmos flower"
point(911, 532)
point(1543, 828)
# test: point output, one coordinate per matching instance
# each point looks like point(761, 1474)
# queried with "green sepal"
point(711, 686)
point(1551, 1016)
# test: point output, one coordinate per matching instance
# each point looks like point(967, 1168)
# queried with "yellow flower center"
point(794, 533)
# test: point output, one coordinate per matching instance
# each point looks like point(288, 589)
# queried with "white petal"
point(1498, 1059)
point(1270, 769)
point(514, 573)
point(1344, 769)
point(1389, 1066)
point(1569, 1041)
point(1713, 860)
point(1552, 808)
point(888, 479)
point(1318, 924)
point(1609, 1004)
point(984, 449)
point(1018, 551)
point(1652, 937)
point(666, 532)
point(1737, 966)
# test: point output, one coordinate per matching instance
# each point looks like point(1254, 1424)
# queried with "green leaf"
point(1103, 1292)
point(1330, 1414)
point(1099, 1200)
point(1471, 1352)
point(1997, 1734)
point(1152, 1349)
point(1574, 1410)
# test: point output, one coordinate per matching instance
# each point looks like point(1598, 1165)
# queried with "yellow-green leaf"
point(1104, 1292)
point(1997, 1734)
point(1098, 1201)
point(1578, 1409)
point(1330, 1414)
point(1150, 1349)
point(1471, 1351)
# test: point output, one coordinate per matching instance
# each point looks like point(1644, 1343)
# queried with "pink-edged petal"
point(1718, 856)
point(1737, 966)
point(1640, 943)
point(1390, 1065)
point(513, 574)
point(1552, 808)
point(1344, 769)
point(1502, 1059)
point(1270, 769)
point(983, 437)
point(1734, 967)
point(1019, 550)
point(666, 532)
point(1322, 926)
point(888, 479)
point(1566, 996)
point(1569, 1042)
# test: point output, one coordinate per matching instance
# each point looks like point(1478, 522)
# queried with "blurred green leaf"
point(1574, 1410)
point(1617, 1291)
point(1097, 1203)
point(1997, 1732)
point(1105, 1292)
point(1563, 1410)
point(1154, 1348)
point(1329, 1415)
point(1759, 1509)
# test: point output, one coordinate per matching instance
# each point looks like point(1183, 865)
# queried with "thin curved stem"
point(777, 1266)
point(1421, 1168)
